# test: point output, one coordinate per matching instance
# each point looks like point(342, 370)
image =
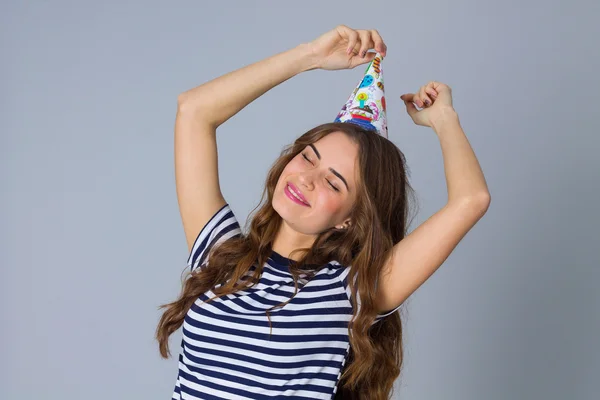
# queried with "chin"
point(291, 213)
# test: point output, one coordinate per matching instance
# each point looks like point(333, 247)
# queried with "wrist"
point(307, 59)
point(446, 116)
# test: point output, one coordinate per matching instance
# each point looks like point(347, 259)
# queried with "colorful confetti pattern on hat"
point(366, 105)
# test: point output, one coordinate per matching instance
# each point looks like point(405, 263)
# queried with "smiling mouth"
point(290, 194)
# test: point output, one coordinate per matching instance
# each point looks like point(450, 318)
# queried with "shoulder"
point(222, 225)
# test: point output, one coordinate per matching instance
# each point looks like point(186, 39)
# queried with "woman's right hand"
point(346, 48)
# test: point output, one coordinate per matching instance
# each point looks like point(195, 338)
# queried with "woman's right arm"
point(200, 111)
point(221, 98)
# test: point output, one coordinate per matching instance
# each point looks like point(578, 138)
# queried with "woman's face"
point(325, 175)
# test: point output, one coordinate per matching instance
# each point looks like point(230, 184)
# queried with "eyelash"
point(334, 188)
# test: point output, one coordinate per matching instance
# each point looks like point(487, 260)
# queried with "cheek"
point(287, 171)
point(293, 167)
point(332, 204)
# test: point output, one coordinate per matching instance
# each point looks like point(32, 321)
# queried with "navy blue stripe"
point(345, 309)
point(211, 362)
point(250, 383)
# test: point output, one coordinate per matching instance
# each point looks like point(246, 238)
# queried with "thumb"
point(408, 102)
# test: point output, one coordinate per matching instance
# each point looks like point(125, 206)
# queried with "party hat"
point(366, 105)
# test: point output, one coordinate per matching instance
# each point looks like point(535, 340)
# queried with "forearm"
point(464, 177)
point(223, 97)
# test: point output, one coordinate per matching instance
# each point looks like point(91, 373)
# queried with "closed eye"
point(330, 184)
point(334, 187)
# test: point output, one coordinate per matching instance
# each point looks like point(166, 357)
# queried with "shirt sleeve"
point(223, 225)
point(344, 279)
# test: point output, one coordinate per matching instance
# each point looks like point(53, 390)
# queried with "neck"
point(288, 240)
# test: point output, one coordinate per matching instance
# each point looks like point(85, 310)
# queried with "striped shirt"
point(226, 350)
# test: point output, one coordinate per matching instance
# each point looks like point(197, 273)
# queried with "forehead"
point(337, 142)
point(339, 152)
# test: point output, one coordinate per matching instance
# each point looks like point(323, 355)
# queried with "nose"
point(307, 180)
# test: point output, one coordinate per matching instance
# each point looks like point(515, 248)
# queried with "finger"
point(362, 60)
point(431, 91)
point(379, 44)
point(352, 36)
point(417, 100)
point(439, 87)
point(413, 98)
point(365, 42)
point(424, 97)
point(407, 96)
point(431, 88)
point(444, 92)
point(410, 107)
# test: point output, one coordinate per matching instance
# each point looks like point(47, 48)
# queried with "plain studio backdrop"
point(91, 237)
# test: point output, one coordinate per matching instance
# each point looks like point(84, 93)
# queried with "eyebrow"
point(331, 169)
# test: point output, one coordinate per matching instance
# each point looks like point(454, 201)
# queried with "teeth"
point(295, 195)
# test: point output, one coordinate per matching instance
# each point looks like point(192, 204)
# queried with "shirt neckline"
point(279, 259)
point(284, 262)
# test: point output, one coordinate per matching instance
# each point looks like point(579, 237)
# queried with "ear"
point(345, 225)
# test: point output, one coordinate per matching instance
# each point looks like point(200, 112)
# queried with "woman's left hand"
point(435, 99)
point(346, 48)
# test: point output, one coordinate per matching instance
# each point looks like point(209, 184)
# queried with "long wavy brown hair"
point(379, 221)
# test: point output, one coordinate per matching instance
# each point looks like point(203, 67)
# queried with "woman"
point(304, 305)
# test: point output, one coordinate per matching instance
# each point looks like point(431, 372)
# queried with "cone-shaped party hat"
point(366, 105)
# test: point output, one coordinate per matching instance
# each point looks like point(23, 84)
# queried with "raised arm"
point(201, 111)
point(419, 255)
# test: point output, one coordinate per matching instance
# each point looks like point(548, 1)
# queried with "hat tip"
point(366, 105)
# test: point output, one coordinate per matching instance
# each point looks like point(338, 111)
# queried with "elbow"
point(188, 103)
point(477, 204)
point(190, 109)
point(184, 103)
point(481, 202)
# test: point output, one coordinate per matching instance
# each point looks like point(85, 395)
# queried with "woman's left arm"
point(464, 178)
point(419, 254)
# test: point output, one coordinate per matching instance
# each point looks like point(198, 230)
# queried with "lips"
point(298, 192)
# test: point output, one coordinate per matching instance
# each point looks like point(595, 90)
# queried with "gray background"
point(92, 240)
